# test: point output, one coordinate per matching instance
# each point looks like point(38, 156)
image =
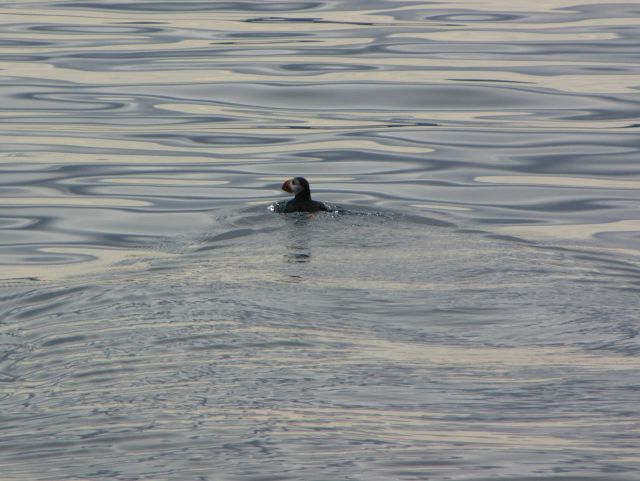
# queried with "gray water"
point(470, 312)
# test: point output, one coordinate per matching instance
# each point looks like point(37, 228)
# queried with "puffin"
point(302, 201)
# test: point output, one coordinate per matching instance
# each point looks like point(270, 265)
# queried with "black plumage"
point(302, 202)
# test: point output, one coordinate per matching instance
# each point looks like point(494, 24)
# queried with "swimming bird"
point(302, 201)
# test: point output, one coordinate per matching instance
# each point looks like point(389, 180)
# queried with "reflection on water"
point(299, 237)
point(468, 312)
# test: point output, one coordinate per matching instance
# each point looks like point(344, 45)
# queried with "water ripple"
point(468, 311)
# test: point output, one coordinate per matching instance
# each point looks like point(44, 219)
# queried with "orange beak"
point(286, 187)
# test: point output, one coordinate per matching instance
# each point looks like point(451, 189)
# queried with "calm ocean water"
point(472, 313)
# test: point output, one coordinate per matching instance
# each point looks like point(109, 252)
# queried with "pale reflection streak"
point(75, 262)
point(522, 356)
point(161, 181)
point(600, 83)
point(573, 232)
point(564, 181)
point(75, 201)
point(289, 144)
point(55, 157)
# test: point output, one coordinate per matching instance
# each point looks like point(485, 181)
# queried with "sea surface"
point(469, 310)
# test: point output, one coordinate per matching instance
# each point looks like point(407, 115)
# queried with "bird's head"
point(296, 185)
